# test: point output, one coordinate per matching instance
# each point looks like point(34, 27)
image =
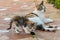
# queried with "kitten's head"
point(41, 6)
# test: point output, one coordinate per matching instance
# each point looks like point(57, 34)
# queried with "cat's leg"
point(16, 28)
point(50, 28)
point(48, 20)
point(26, 29)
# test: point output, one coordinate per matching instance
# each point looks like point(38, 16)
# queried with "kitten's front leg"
point(26, 29)
point(18, 29)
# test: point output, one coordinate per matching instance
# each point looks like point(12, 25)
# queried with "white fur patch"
point(37, 20)
point(47, 20)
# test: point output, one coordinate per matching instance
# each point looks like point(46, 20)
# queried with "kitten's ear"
point(42, 3)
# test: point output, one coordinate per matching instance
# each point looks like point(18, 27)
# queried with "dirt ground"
point(21, 8)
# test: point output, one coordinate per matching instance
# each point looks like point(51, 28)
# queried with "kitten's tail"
point(10, 25)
